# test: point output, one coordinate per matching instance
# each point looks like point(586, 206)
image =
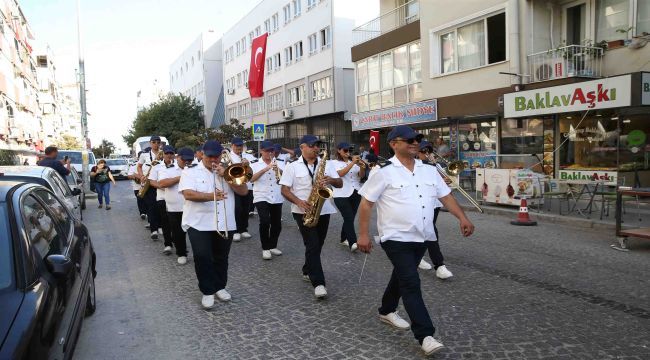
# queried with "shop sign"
point(597, 94)
point(609, 177)
point(509, 186)
point(645, 89)
point(399, 115)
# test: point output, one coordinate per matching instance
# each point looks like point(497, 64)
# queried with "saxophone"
point(317, 196)
point(146, 183)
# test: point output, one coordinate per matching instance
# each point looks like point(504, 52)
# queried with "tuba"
point(317, 196)
point(146, 183)
point(236, 174)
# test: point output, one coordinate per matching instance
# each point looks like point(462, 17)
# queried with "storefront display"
point(477, 144)
point(508, 186)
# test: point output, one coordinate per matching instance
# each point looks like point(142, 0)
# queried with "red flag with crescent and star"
point(374, 142)
point(256, 72)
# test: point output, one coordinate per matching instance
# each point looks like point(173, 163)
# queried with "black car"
point(47, 273)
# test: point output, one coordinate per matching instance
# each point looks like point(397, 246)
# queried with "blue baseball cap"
point(212, 148)
point(186, 154)
point(267, 145)
point(237, 141)
point(168, 149)
point(425, 144)
point(404, 132)
point(155, 138)
point(343, 145)
point(309, 140)
point(277, 147)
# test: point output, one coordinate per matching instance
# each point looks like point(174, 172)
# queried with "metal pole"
point(85, 174)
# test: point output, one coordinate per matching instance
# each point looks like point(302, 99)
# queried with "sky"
point(127, 45)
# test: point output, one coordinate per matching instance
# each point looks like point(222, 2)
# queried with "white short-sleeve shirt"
point(297, 178)
point(145, 159)
point(266, 187)
point(405, 200)
point(351, 180)
point(201, 215)
point(133, 169)
point(155, 176)
point(173, 199)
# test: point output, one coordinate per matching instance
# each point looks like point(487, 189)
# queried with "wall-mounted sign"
point(400, 115)
point(589, 95)
point(645, 89)
point(608, 177)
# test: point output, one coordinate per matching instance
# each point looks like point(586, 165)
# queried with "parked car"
point(47, 273)
point(119, 168)
point(75, 181)
point(49, 178)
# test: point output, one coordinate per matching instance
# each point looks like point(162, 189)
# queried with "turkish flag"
point(256, 73)
point(374, 142)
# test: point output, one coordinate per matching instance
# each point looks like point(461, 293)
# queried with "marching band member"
point(154, 176)
point(297, 181)
point(267, 197)
point(347, 198)
point(135, 185)
point(279, 155)
point(168, 179)
point(198, 156)
point(242, 203)
point(209, 220)
point(144, 163)
point(403, 189)
point(435, 254)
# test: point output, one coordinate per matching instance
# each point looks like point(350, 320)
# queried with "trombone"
point(453, 169)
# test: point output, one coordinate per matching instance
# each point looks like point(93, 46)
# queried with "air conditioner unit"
point(287, 113)
point(551, 69)
point(231, 91)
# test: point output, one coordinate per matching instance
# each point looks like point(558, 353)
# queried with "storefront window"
point(522, 136)
point(634, 146)
point(477, 144)
point(588, 143)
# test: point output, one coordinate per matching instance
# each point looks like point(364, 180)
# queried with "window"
point(414, 63)
point(267, 25)
point(232, 112)
point(276, 62)
point(275, 19)
point(387, 71)
point(296, 96)
point(612, 15)
point(642, 17)
point(373, 74)
point(237, 49)
point(239, 80)
point(274, 102)
point(473, 45)
point(258, 106)
point(244, 48)
point(400, 61)
point(251, 36)
point(40, 228)
point(245, 77)
point(258, 31)
point(297, 50)
point(244, 110)
point(321, 89)
point(288, 55)
point(296, 8)
point(310, 4)
point(269, 65)
point(325, 38)
point(58, 210)
point(522, 136)
point(287, 13)
point(313, 44)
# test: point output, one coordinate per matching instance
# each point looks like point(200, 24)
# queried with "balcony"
point(396, 18)
point(566, 61)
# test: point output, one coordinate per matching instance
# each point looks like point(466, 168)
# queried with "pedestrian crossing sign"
point(259, 132)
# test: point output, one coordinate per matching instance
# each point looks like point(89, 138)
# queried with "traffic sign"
point(259, 132)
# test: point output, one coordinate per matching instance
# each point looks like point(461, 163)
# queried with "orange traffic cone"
point(523, 219)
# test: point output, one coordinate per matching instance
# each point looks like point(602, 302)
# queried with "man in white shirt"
point(242, 203)
point(144, 164)
point(135, 185)
point(267, 197)
point(168, 179)
point(403, 189)
point(297, 181)
point(209, 220)
point(154, 176)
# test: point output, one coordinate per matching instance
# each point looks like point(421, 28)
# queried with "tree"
point(104, 150)
point(68, 142)
point(234, 129)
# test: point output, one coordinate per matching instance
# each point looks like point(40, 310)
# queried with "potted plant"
point(614, 44)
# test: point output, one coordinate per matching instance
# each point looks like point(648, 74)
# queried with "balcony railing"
point(387, 22)
point(566, 61)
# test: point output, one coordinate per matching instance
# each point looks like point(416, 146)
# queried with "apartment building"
point(489, 80)
point(198, 73)
point(309, 80)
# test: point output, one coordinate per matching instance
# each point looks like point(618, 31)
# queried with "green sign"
point(636, 138)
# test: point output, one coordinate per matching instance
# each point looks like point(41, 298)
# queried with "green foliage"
point(234, 129)
point(8, 157)
point(68, 142)
point(104, 150)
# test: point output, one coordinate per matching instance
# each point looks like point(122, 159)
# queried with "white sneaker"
point(395, 320)
point(320, 291)
point(424, 265)
point(250, 213)
point(345, 243)
point(160, 231)
point(143, 216)
point(443, 273)
point(266, 255)
point(354, 247)
point(223, 295)
point(207, 301)
point(154, 235)
point(182, 260)
point(168, 250)
point(431, 345)
point(276, 252)
point(246, 235)
point(236, 238)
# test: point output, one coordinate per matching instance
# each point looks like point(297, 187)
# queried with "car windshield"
point(6, 252)
point(74, 156)
point(115, 162)
point(70, 178)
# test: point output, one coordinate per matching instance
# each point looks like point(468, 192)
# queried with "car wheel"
point(91, 301)
point(83, 201)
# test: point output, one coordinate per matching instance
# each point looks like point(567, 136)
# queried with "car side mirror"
point(59, 265)
point(76, 192)
point(79, 181)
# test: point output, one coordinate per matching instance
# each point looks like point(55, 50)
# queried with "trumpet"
point(360, 163)
point(236, 174)
point(276, 169)
point(216, 212)
point(453, 169)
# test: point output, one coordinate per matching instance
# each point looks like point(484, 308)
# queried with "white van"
point(142, 143)
point(81, 160)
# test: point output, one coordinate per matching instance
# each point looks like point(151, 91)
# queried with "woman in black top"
point(101, 175)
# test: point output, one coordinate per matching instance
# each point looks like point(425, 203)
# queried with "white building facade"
point(198, 73)
point(309, 75)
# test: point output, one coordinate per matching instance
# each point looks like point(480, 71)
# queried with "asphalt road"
point(517, 293)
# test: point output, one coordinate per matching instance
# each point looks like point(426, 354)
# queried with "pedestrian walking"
point(347, 198)
point(62, 167)
point(101, 175)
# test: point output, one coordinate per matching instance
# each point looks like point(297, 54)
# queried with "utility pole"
point(82, 80)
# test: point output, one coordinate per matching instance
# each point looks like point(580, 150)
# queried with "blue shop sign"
point(400, 115)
